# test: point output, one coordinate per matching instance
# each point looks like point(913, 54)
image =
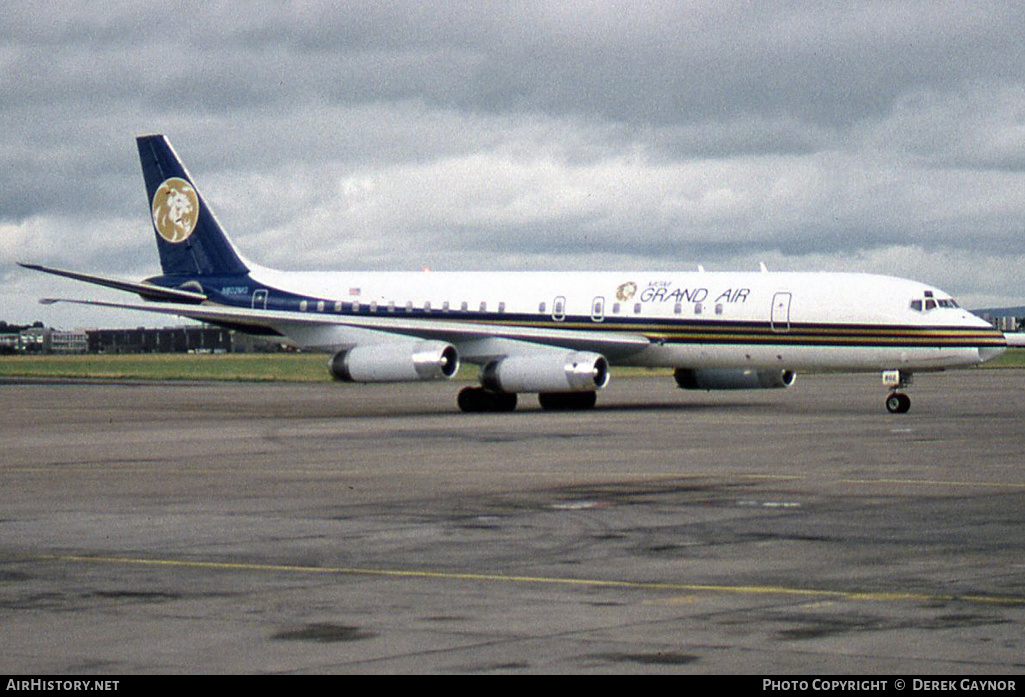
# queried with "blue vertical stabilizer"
point(189, 238)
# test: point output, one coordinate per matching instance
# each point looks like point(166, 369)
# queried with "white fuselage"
point(763, 320)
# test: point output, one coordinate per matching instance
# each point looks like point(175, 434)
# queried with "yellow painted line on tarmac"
point(934, 482)
point(873, 596)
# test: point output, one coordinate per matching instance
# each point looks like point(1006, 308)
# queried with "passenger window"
point(483, 306)
point(697, 308)
point(320, 306)
point(718, 308)
point(463, 306)
point(678, 308)
point(637, 308)
point(427, 307)
point(501, 307)
point(541, 308)
point(302, 305)
point(409, 306)
point(615, 308)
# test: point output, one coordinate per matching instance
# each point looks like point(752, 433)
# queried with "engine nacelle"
point(395, 362)
point(732, 379)
point(576, 371)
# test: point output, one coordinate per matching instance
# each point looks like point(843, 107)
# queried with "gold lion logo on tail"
point(175, 210)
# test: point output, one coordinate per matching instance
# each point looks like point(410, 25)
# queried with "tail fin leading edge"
point(189, 238)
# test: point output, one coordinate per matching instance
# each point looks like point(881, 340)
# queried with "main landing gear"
point(477, 400)
point(567, 401)
point(897, 402)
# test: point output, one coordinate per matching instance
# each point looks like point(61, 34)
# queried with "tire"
point(474, 400)
point(898, 403)
point(567, 401)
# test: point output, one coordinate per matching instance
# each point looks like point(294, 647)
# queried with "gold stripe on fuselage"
point(819, 335)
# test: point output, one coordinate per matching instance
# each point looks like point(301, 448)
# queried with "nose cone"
point(972, 320)
point(991, 340)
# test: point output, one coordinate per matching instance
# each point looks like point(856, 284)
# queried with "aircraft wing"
point(147, 291)
point(285, 323)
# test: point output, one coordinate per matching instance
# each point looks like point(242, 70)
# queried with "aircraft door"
point(559, 308)
point(780, 320)
point(260, 299)
point(598, 309)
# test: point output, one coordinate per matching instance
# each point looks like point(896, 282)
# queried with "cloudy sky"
point(879, 136)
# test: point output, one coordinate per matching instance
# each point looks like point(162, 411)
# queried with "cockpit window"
point(928, 302)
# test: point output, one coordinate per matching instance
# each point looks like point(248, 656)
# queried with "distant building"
point(35, 340)
point(10, 342)
point(75, 341)
point(185, 339)
point(1005, 323)
point(199, 339)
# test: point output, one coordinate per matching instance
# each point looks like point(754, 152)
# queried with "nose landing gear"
point(897, 402)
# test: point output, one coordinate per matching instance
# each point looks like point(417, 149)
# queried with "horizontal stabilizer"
point(147, 291)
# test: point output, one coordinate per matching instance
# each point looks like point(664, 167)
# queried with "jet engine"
point(732, 379)
point(395, 362)
point(576, 371)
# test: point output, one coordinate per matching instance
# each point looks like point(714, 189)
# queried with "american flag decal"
point(354, 291)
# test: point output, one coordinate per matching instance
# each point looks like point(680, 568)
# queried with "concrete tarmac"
point(289, 528)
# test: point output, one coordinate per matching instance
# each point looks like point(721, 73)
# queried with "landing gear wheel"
point(567, 401)
point(477, 399)
point(504, 401)
point(897, 381)
point(898, 403)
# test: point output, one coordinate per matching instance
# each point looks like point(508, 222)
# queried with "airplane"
point(556, 334)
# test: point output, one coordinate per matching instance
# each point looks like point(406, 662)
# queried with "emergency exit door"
point(780, 319)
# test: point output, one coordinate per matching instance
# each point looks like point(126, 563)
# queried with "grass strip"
point(298, 367)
